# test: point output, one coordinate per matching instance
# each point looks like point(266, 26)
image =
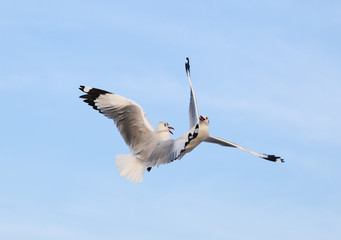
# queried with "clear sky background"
point(267, 73)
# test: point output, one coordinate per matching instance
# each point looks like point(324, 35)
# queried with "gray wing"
point(169, 150)
point(166, 152)
point(127, 115)
point(193, 107)
point(226, 143)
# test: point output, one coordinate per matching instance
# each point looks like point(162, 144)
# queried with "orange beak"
point(202, 118)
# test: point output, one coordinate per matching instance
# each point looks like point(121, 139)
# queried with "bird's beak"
point(169, 127)
point(202, 118)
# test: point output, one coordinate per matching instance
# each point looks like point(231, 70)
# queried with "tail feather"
point(130, 166)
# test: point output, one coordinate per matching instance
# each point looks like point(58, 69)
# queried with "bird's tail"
point(130, 166)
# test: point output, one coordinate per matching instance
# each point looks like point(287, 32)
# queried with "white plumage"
point(149, 148)
point(203, 122)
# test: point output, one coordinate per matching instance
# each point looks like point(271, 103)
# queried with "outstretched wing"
point(166, 151)
point(225, 143)
point(127, 115)
point(169, 150)
point(193, 107)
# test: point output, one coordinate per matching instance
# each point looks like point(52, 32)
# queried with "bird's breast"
point(202, 135)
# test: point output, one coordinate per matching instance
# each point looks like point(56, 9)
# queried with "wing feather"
point(193, 106)
point(167, 151)
point(226, 143)
point(128, 116)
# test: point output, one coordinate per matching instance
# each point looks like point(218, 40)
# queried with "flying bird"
point(203, 121)
point(151, 147)
point(148, 147)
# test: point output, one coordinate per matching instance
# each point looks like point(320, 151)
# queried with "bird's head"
point(204, 119)
point(164, 127)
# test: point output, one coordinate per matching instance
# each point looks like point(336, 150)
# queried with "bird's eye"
point(165, 124)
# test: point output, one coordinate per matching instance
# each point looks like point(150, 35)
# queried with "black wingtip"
point(193, 135)
point(273, 158)
point(91, 95)
point(187, 66)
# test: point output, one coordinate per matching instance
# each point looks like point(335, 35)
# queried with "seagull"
point(203, 122)
point(148, 147)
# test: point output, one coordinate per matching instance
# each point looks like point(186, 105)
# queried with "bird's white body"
point(203, 134)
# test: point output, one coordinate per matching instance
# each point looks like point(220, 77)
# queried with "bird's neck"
point(204, 130)
point(163, 134)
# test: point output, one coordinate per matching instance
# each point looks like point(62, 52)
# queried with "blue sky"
point(267, 73)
